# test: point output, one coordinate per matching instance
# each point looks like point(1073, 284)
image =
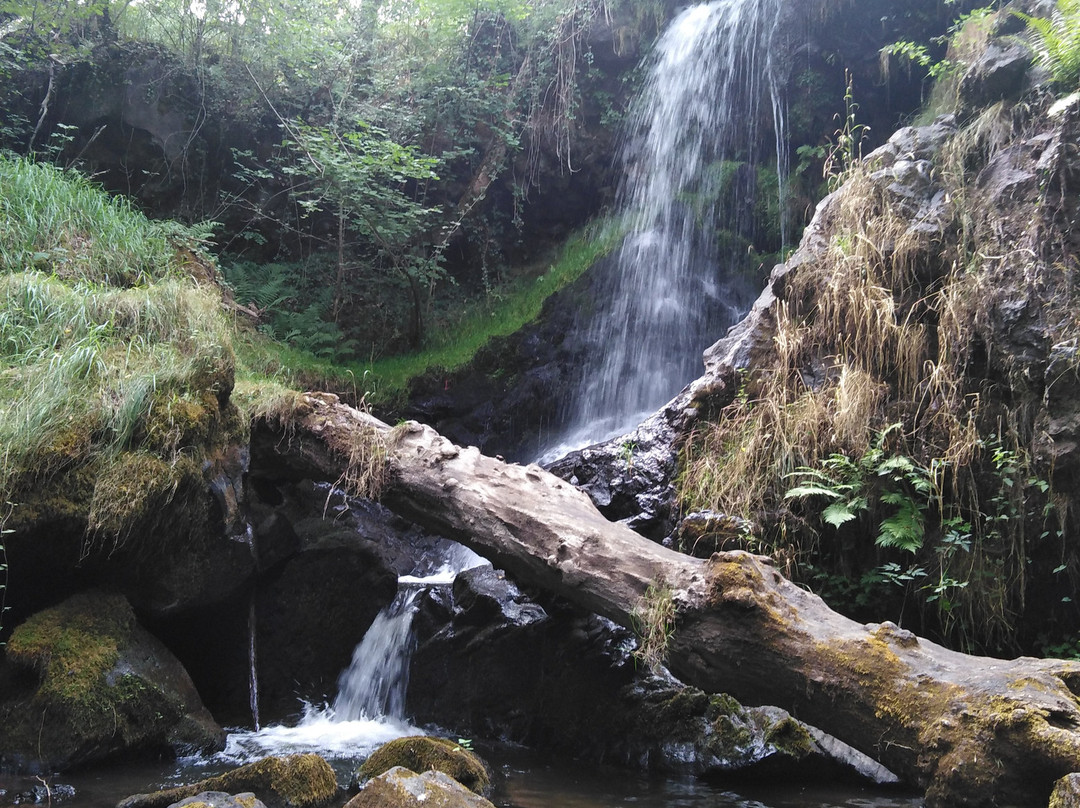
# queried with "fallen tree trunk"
point(972, 731)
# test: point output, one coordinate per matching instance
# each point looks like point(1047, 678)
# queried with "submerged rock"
point(83, 682)
point(423, 753)
point(400, 788)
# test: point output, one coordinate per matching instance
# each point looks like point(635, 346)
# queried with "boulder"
point(219, 799)
point(423, 753)
point(293, 781)
point(83, 682)
point(400, 788)
point(1066, 792)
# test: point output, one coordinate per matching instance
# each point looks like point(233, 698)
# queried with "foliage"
point(458, 340)
point(962, 42)
point(879, 478)
point(294, 303)
point(1057, 42)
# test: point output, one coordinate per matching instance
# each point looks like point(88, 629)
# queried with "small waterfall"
point(253, 668)
point(690, 162)
point(374, 685)
point(369, 709)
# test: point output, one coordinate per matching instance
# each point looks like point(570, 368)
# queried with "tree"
point(363, 178)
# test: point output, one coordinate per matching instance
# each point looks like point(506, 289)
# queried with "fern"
point(1057, 42)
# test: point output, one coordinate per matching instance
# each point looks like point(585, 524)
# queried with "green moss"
point(731, 735)
point(73, 647)
point(722, 704)
point(421, 753)
point(131, 496)
point(790, 737)
point(297, 781)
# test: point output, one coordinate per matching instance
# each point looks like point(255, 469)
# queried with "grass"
point(107, 342)
point(61, 223)
point(387, 380)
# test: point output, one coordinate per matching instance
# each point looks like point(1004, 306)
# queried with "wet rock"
point(219, 799)
point(401, 788)
point(83, 682)
point(996, 75)
point(424, 753)
point(42, 795)
point(310, 614)
point(293, 781)
point(484, 596)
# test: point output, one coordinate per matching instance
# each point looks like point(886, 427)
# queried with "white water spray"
point(690, 173)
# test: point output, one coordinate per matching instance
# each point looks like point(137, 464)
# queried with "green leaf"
point(838, 514)
point(811, 490)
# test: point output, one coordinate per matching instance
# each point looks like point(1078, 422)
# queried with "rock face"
point(85, 683)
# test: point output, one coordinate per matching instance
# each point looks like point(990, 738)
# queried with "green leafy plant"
point(1057, 41)
point(845, 149)
point(878, 478)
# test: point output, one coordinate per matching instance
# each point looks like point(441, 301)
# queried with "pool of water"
point(523, 779)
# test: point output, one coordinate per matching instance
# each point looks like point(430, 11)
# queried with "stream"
point(369, 710)
point(524, 779)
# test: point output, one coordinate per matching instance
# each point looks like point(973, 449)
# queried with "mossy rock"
point(1066, 792)
point(401, 788)
point(87, 683)
point(219, 799)
point(291, 781)
point(421, 753)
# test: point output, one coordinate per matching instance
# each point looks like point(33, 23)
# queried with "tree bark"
point(972, 731)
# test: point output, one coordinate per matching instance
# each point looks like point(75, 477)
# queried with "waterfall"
point(369, 708)
point(374, 685)
point(690, 159)
point(253, 667)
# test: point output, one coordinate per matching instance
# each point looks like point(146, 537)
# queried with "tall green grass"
point(95, 321)
point(61, 223)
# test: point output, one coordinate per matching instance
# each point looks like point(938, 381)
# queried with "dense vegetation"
point(883, 454)
point(350, 153)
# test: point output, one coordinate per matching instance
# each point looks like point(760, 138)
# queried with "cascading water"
point(690, 160)
point(374, 685)
point(369, 708)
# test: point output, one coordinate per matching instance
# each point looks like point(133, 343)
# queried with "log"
point(971, 731)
